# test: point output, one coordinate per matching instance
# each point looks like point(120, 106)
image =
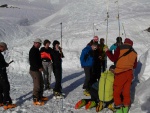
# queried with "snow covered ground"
point(30, 19)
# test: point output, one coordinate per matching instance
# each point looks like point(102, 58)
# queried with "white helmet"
point(38, 40)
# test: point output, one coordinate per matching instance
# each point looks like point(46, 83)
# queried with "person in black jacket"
point(46, 55)
point(57, 68)
point(5, 99)
point(35, 71)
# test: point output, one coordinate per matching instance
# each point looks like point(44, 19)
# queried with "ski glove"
point(105, 48)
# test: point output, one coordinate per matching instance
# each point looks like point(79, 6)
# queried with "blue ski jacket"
point(113, 47)
point(86, 57)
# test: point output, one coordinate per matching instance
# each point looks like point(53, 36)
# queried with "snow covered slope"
point(30, 19)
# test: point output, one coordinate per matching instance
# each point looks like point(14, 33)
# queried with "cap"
point(128, 41)
point(38, 40)
point(3, 44)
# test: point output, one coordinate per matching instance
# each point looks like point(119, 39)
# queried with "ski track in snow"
point(36, 19)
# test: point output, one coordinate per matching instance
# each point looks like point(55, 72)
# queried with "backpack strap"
point(126, 53)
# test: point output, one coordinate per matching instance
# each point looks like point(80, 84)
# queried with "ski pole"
point(118, 16)
point(93, 29)
point(8, 64)
point(107, 20)
point(124, 30)
point(11, 62)
point(61, 33)
point(62, 108)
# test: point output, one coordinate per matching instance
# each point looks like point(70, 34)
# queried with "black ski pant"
point(4, 91)
point(103, 65)
point(58, 78)
point(87, 81)
point(97, 70)
point(94, 94)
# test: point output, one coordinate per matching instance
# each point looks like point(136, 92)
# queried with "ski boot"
point(119, 109)
point(37, 102)
point(44, 98)
point(99, 107)
point(86, 93)
point(90, 105)
point(111, 107)
point(1, 104)
point(80, 104)
point(57, 95)
point(9, 106)
point(125, 109)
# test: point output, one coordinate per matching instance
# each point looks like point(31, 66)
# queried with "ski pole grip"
point(11, 62)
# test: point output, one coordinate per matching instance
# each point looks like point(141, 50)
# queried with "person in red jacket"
point(46, 55)
point(125, 58)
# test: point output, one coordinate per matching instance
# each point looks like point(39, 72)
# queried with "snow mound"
point(145, 66)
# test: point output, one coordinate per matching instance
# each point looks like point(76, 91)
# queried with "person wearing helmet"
point(36, 69)
point(5, 99)
point(57, 68)
point(115, 45)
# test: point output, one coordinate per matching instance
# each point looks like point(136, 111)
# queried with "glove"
point(7, 64)
point(105, 48)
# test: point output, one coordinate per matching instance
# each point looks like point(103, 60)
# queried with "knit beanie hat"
point(128, 41)
point(95, 38)
point(55, 42)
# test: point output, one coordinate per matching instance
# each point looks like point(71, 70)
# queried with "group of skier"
point(45, 60)
point(42, 62)
point(108, 87)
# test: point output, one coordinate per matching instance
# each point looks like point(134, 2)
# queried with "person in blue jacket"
point(87, 61)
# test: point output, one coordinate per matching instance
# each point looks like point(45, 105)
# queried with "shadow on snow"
point(136, 80)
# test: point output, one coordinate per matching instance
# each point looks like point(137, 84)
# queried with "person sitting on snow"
point(97, 92)
point(105, 91)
